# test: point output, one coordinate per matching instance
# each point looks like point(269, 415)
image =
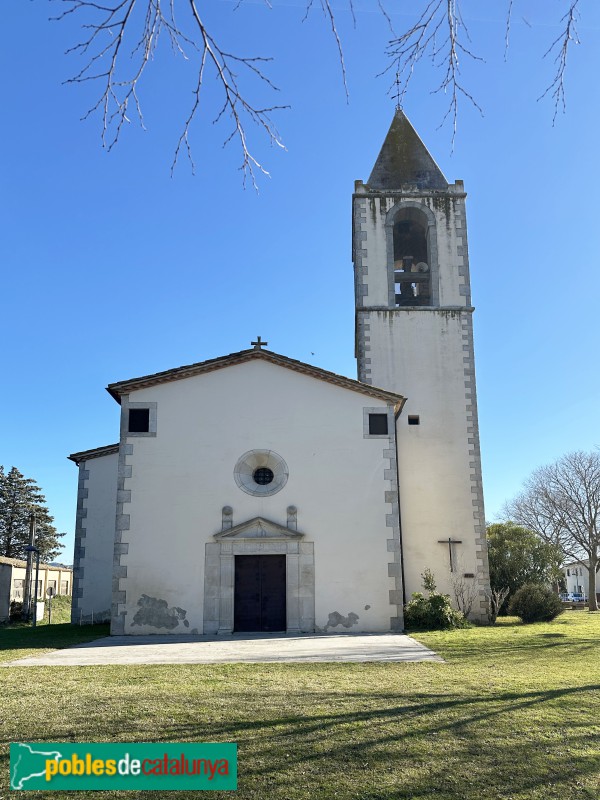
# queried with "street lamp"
point(32, 549)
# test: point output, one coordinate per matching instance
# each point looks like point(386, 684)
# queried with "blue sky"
point(112, 268)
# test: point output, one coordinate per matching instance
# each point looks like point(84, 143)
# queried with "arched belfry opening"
point(412, 261)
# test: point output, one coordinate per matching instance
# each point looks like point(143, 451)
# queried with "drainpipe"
point(399, 510)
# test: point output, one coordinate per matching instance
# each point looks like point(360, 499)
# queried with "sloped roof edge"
point(243, 356)
point(95, 452)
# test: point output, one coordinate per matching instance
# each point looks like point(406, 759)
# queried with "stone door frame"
point(219, 575)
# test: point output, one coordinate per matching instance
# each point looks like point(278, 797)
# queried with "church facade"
point(319, 512)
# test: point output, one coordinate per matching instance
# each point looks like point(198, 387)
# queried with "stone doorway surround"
point(258, 536)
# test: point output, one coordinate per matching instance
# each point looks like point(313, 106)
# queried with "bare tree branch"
point(387, 18)
point(561, 503)
point(121, 38)
point(440, 36)
point(465, 590)
point(495, 599)
point(507, 29)
point(330, 17)
point(114, 27)
point(560, 46)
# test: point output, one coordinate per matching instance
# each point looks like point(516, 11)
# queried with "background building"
point(12, 582)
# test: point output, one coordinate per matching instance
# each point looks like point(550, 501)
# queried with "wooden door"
point(259, 596)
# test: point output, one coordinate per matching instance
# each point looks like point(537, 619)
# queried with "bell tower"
point(414, 335)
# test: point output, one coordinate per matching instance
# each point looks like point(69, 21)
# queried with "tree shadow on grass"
point(423, 706)
point(394, 735)
point(442, 745)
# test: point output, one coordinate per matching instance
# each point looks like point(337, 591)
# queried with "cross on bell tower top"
point(259, 344)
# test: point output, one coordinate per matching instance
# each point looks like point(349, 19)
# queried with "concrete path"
point(236, 648)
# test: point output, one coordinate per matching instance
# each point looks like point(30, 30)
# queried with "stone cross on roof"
point(259, 344)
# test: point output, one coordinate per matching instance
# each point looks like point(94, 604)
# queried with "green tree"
point(518, 556)
point(19, 498)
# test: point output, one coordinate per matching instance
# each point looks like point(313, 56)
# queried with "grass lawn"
point(514, 713)
point(21, 640)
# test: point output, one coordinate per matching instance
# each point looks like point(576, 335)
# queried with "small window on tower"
point(378, 424)
point(139, 420)
point(413, 419)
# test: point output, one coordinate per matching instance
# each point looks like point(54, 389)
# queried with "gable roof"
point(242, 357)
point(404, 159)
point(95, 452)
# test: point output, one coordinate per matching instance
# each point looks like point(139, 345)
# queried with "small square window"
point(413, 419)
point(378, 424)
point(139, 420)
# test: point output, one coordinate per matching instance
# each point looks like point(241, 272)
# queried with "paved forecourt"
point(240, 648)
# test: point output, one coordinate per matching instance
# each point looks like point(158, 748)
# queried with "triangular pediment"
point(259, 528)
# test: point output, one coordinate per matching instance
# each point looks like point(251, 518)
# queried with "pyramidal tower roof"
point(404, 159)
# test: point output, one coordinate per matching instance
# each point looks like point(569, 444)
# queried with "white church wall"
point(421, 354)
point(94, 538)
point(183, 477)
point(434, 460)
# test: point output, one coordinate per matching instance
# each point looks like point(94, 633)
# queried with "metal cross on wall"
point(450, 542)
point(258, 344)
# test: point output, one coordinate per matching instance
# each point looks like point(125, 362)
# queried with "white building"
point(255, 492)
point(577, 578)
point(53, 578)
